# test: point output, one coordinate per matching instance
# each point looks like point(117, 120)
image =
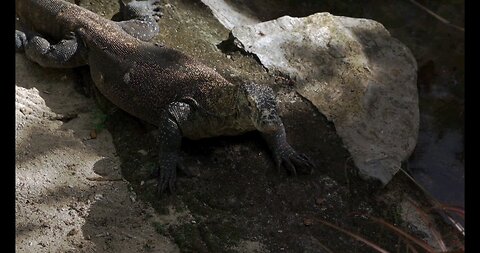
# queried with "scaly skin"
point(160, 85)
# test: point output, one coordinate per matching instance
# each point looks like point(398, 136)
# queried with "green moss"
point(160, 228)
point(99, 120)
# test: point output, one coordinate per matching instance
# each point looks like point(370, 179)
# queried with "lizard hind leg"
point(170, 139)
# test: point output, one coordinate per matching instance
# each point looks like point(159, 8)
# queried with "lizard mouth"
point(268, 128)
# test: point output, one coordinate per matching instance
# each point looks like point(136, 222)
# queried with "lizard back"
point(139, 77)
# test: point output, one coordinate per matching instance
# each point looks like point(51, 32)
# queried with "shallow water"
point(437, 166)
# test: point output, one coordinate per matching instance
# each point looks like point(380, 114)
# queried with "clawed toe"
point(166, 179)
point(171, 186)
point(295, 163)
point(290, 167)
point(304, 164)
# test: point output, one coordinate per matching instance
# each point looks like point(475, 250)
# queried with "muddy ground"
point(82, 170)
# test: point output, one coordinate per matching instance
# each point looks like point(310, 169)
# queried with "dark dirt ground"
point(236, 201)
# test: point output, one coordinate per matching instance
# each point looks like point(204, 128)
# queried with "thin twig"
point(437, 16)
point(410, 247)
point(400, 232)
point(427, 219)
point(325, 248)
point(356, 236)
point(458, 210)
point(434, 201)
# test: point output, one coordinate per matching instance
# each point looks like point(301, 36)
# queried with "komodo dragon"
point(160, 85)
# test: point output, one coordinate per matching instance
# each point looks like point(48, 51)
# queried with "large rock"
point(230, 16)
point(355, 73)
point(352, 70)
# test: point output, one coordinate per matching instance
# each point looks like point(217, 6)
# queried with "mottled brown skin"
point(163, 86)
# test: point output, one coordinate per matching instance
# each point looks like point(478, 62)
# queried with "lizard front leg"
point(135, 9)
point(284, 155)
point(170, 138)
point(140, 18)
point(259, 103)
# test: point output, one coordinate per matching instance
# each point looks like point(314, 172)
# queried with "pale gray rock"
point(355, 73)
point(352, 71)
point(230, 16)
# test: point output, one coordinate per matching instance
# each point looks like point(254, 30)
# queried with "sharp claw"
point(162, 181)
point(290, 167)
point(160, 188)
point(171, 186)
point(302, 162)
point(305, 158)
point(166, 180)
point(278, 163)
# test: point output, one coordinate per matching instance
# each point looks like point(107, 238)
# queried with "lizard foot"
point(138, 9)
point(295, 163)
point(20, 41)
point(167, 173)
point(166, 179)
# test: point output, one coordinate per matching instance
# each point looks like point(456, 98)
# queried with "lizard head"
point(258, 102)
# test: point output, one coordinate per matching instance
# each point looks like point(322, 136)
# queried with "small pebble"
point(93, 134)
point(319, 200)
point(307, 221)
point(72, 232)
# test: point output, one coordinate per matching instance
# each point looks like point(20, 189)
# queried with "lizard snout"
point(269, 122)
